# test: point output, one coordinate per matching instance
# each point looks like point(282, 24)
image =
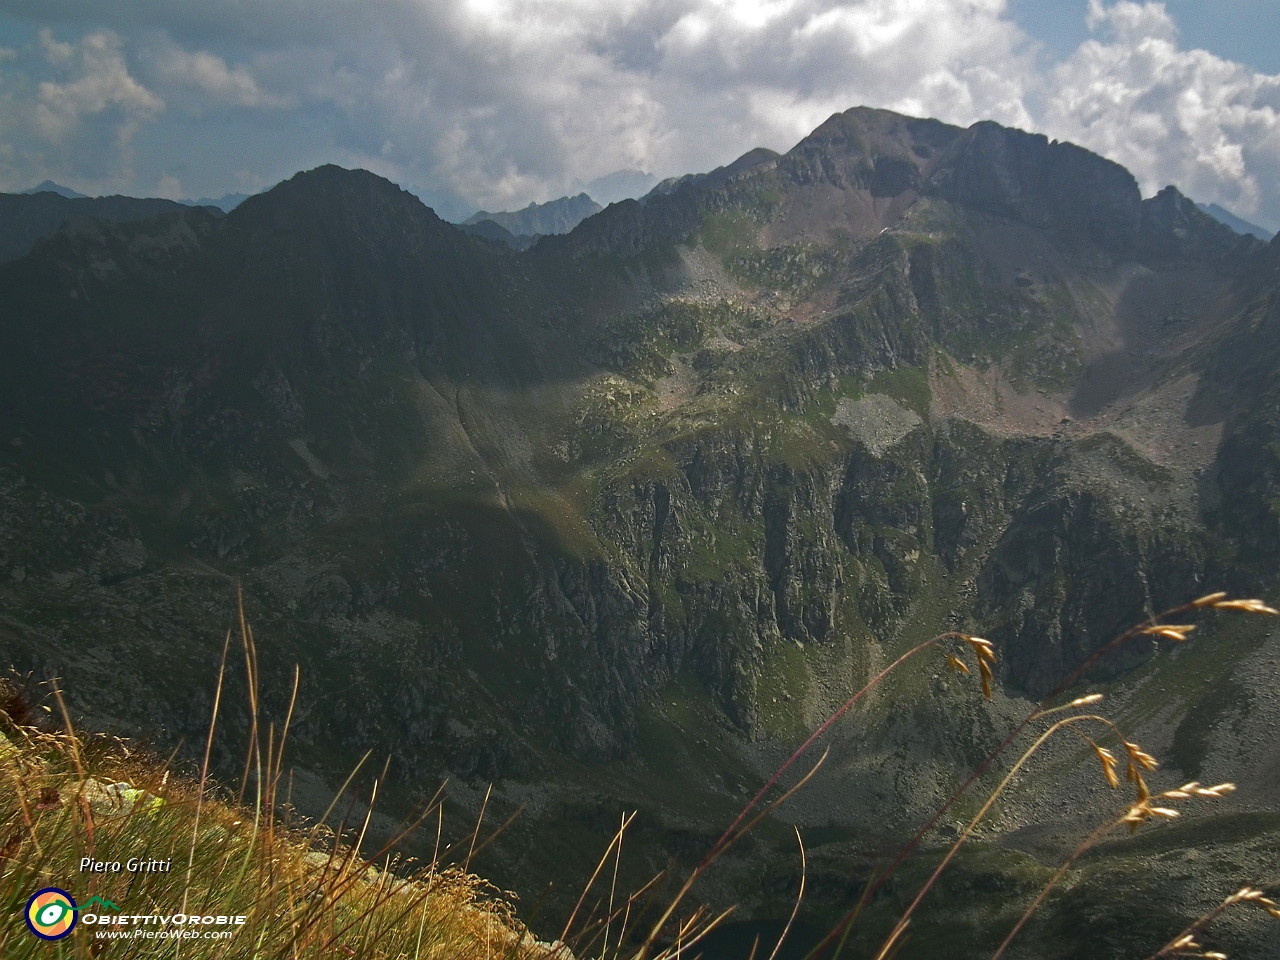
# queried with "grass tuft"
point(154, 861)
point(67, 799)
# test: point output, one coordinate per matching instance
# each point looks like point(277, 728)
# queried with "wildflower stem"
point(732, 833)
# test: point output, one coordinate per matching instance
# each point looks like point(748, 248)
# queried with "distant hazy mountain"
point(554, 216)
point(50, 187)
point(495, 231)
point(226, 203)
point(26, 217)
point(1238, 224)
point(621, 185)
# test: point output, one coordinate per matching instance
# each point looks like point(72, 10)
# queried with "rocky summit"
point(614, 522)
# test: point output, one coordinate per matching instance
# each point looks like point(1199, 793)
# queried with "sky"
point(492, 104)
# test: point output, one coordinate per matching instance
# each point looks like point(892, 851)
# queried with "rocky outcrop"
point(1026, 177)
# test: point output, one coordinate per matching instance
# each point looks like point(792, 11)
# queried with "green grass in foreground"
point(301, 892)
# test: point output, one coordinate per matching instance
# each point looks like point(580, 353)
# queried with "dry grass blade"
point(721, 847)
point(615, 841)
point(1186, 940)
point(71, 797)
point(1215, 600)
point(1065, 723)
point(813, 738)
point(804, 870)
point(1185, 792)
point(204, 769)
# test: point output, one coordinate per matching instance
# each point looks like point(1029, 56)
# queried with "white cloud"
point(810, 58)
point(209, 76)
point(504, 101)
point(101, 82)
point(169, 187)
point(494, 103)
point(1131, 21)
point(71, 111)
point(1170, 115)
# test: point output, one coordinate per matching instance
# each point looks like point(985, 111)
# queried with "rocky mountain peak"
point(332, 198)
point(879, 163)
point(879, 151)
point(1174, 226)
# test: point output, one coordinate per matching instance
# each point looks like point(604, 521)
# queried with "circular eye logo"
point(51, 913)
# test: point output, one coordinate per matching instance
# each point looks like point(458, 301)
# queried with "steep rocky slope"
point(614, 520)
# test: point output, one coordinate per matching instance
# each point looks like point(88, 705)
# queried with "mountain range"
point(25, 218)
point(614, 521)
point(540, 219)
point(1238, 224)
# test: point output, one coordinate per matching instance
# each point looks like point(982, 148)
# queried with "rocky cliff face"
point(725, 449)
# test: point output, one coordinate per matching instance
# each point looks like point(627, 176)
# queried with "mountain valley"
point(615, 521)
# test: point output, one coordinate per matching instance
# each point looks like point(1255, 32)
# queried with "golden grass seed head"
point(1142, 811)
point(1218, 790)
point(1140, 757)
point(1248, 606)
point(985, 671)
point(956, 664)
point(1108, 761)
point(983, 649)
point(1177, 632)
point(1209, 599)
point(1135, 817)
point(1087, 701)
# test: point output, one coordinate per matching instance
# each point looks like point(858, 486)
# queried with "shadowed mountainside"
point(26, 217)
point(615, 519)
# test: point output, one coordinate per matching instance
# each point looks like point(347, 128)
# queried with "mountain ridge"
point(540, 219)
point(627, 513)
point(26, 218)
